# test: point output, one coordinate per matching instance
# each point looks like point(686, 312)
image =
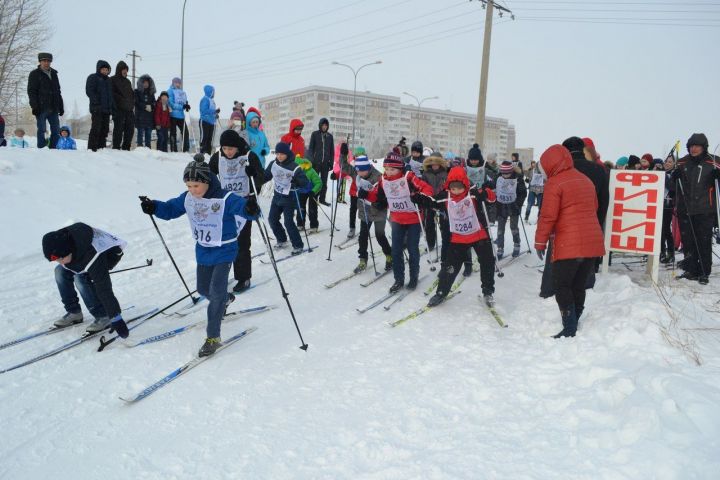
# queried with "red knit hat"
point(457, 174)
point(588, 143)
point(506, 167)
point(648, 157)
point(393, 160)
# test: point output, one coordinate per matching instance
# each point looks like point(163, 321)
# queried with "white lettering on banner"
point(282, 178)
point(398, 195)
point(506, 189)
point(233, 176)
point(462, 216)
point(206, 219)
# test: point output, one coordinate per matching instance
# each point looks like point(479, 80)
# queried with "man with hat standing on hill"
point(46, 102)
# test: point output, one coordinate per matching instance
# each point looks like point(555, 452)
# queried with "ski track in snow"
point(446, 395)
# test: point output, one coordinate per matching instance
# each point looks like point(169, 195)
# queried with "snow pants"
point(405, 236)
point(242, 266)
point(697, 238)
point(99, 128)
point(123, 129)
point(212, 283)
point(458, 254)
point(569, 279)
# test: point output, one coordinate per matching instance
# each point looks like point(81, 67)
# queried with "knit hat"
point(506, 167)
point(588, 143)
point(393, 160)
point(359, 151)
point(632, 161)
point(56, 244)
point(44, 56)
point(574, 144)
point(283, 147)
point(362, 163)
point(417, 146)
point(621, 162)
point(475, 154)
point(231, 138)
point(648, 157)
point(197, 171)
point(457, 175)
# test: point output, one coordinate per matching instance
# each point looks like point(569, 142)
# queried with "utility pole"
point(134, 55)
point(488, 5)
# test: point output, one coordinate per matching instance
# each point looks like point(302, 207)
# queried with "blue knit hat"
point(362, 163)
point(283, 147)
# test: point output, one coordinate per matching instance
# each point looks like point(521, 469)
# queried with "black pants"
point(99, 128)
point(697, 237)
point(123, 129)
point(206, 136)
point(457, 254)
point(569, 277)
point(175, 125)
point(242, 266)
point(667, 244)
point(353, 210)
point(324, 169)
point(364, 238)
point(308, 207)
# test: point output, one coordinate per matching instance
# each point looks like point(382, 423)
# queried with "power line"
point(618, 21)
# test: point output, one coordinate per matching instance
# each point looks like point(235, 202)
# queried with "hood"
point(555, 159)
point(120, 67)
point(323, 121)
point(248, 119)
point(215, 190)
point(175, 80)
point(698, 139)
point(139, 83)
point(102, 64)
point(67, 129)
point(209, 91)
point(294, 123)
point(457, 174)
point(304, 163)
point(435, 159)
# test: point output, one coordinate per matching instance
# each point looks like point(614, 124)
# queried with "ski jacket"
point(377, 210)
point(436, 179)
point(16, 142)
point(296, 141)
point(322, 147)
point(44, 92)
point(162, 115)
point(343, 164)
point(415, 184)
point(253, 161)
point(123, 93)
point(695, 182)
point(600, 179)
point(569, 209)
point(144, 97)
point(506, 210)
point(492, 171)
point(310, 173)
point(177, 98)
point(256, 138)
point(299, 183)
point(207, 105)
point(66, 143)
point(234, 205)
point(99, 90)
point(670, 193)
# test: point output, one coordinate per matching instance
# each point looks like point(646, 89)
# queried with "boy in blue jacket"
point(211, 212)
point(290, 180)
point(65, 142)
point(208, 116)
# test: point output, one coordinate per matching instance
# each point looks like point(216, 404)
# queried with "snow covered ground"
point(447, 395)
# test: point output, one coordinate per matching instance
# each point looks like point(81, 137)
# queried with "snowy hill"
point(444, 396)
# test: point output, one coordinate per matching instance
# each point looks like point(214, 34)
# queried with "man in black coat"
point(123, 108)
point(45, 99)
point(322, 146)
point(144, 108)
point(99, 91)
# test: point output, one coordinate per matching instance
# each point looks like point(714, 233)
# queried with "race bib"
point(282, 178)
point(398, 195)
point(103, 241)
point(416, 167)
point(537, 180)
point(462, 216)
point(233, 176)
point(206, 216)
point(506, 189)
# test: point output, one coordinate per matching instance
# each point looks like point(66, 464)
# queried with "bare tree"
point(23, 28)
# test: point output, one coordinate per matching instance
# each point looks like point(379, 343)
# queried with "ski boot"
point(209, 347)
point(468, 270)
point(489, 299)
point(667, 258)
point(388, 263)
point(703, 280)
point(100, 323)
point(301, 228)
point(500, 253)
point(351, 233)
point(230, 299)
point(516, 250)
point(312, 230)
point(297, 250)
point(281, 245)
point(70, 318)
point(361, 266)
point(241, 286)
point(687, 276)
point(412, 284)
point(396, 286)
point(119, 326)
point(437, 299)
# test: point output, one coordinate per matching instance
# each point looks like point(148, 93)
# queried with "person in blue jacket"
point(256, 138)
point(290, 180)
point(209, 114)
point(177, 99)
point(211, 212)
point(66, 142)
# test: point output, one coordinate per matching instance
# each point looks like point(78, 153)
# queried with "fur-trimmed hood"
point(435, 159)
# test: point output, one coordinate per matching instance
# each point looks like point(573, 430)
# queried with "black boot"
point(209, 347)
point(468, 270)
point(397, 286)
point(569, 320)
point(688, 276)
point(437, 299)
point(412, 284)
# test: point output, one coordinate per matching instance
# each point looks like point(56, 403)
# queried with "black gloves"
point(422, 200)
point(344, 149)
point(186, 107)
point(61, 113)
point(333, 176)
point(217, 110)
point(147, 205)
point(481, 194)
point(263, 152)
point(541, 254)
point(252, 209)
point(250, 171)
point(362, 194)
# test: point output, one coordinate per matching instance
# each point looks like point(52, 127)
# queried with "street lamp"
point(355, 74)
point(419, 102)
point(182, 43)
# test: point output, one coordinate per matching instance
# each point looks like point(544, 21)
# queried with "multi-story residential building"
point(381, 120)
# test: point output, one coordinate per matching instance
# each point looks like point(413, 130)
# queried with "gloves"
point(252, 209)
point(148, 108)
point(540, 253)
point(362, 194)
point(481, 194)
point(333, 176)
point(250, 171)
point(344, 149)
point(61, 113)
point(35, 112)
point(147, 205)
point(118, 325)
point(186, 107)
point(263, 152)
point(217, 110)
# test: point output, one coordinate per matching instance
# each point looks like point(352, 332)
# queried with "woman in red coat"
point(568, 213)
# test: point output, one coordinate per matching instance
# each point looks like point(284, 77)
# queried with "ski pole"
point(334, 217)
point(427, 247)
point(184, 131)
point(525, 232)
point(437, 243)
point(302, 217)
point(148, 262)
point(265, 235)
point(367, 222)
point(717, 191)
point(323, 211)
point(492, 243)
point(182, 279)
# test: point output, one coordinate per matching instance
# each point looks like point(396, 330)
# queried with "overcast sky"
point(633, 75)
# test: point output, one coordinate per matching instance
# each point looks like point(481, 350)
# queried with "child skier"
point(235, 164)
point(289, 179)
point(469, 229)
point(211, 212)
point(402, 190)
point(365, 177)
point(536, 182)
point(162, 121)
point(65, 142)
point(511, 192)
point(85, 256)
point(294, 137)
point(308, 200)
point(435, 172)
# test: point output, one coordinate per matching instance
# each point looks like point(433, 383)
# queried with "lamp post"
point(419, 103)
point(355, 74)
point(182, 43)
